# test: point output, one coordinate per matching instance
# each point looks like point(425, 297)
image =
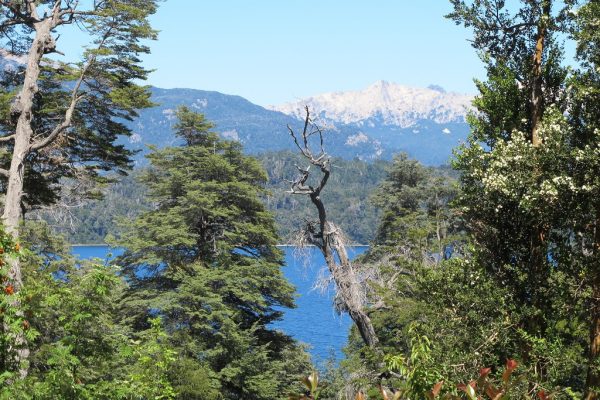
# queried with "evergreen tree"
point(205, 261)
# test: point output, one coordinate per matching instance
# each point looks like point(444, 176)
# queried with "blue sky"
point(273, 51)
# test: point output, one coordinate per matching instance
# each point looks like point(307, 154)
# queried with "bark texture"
point(538, 245)
point(16, 174)
point(592, 382)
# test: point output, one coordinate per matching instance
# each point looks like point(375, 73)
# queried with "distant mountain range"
point(375, 123)
point(384, 103)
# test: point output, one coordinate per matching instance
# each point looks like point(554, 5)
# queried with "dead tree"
point(326, 236)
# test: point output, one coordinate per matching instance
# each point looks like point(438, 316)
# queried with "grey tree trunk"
point(12, 214)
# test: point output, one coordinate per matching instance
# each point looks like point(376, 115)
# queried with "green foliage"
point(109, 95)
point(205, 261)
point(441, 314)
point(418, 230)
point(155, 360)
point(12, 322)
point(77, 348)
point(525, 201)
point(523, 287)
point(417, 373)
point(415, 208)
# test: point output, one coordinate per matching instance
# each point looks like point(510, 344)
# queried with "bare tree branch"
point(61, 127)
point(7, 138)
point(327, 237)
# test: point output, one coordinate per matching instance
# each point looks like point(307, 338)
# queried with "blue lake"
point(314, 321)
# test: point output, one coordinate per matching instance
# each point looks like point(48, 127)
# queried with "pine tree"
point(205, 261)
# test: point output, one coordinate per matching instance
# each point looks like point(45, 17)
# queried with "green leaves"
point(108, 93)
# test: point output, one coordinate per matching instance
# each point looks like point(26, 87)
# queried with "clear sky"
point(273, 51)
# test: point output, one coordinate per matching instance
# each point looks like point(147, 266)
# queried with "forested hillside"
point(347, 198)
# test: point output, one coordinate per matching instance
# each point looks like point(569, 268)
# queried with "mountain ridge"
point(260, 129)
point(384, 102)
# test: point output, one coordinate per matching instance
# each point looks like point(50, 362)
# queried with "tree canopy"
point(205, 260)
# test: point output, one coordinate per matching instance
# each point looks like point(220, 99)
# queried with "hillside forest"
point(482, 278)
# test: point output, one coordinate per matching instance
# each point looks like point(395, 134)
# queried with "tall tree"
point(60, 119)
point(584, 118)
point(521, 178)
point(205, 261)
point(522, 54)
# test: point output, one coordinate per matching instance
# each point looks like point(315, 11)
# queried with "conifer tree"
point(205, 261)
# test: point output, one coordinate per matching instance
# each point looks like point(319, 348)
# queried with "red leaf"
point(436, 388)
point(492, 392)
point(511, 364)
point(9, 289)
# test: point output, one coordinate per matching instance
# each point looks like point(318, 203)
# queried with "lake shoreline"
point(279, 245)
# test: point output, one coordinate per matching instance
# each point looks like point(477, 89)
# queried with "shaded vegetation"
point(348, 194)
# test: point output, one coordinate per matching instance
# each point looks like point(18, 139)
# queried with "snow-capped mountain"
point(9, 61)
point(384, 103)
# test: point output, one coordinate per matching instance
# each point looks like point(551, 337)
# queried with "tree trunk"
point(537, 104)
point(344, 276)
point(593, 374)
point(12, 215)
point(538, 232)
point(329, 239)
point(348, 286)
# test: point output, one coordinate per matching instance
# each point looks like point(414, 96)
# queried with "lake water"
point(314, 321)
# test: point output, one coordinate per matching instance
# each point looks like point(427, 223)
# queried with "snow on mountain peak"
point(385, 102)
